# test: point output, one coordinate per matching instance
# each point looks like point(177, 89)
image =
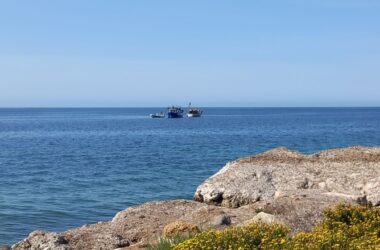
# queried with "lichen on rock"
point(179, 228)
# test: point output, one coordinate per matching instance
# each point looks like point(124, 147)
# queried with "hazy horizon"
point(215, 54)
point(185, 106)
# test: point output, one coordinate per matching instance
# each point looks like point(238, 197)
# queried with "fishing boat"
point(175, 112)
point(194, 112)
point(157, 115)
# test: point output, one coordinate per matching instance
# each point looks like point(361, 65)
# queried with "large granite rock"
point(135, 226)
point(43, 240)
point(350, 173)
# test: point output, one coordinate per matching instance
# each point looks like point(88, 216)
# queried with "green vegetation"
point(167, 244)
point(254, 236)
point(344, 227)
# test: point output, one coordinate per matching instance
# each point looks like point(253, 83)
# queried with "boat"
point(194, 112)
point(157, 115)
point(175, 112)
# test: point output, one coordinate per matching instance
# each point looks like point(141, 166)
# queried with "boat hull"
point(174, 115)
point(157, 116)
point(193, 115)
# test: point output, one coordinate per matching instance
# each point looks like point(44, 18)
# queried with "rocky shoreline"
point(279, 185)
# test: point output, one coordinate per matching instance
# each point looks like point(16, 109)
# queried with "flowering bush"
point(257, 235)
point(344, 227)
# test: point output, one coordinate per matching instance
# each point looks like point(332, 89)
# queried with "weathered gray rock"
point(43, 240)
point(133, 227)
point(350, 173)
point(264, 218)
point(221, 220)
point(5, 247)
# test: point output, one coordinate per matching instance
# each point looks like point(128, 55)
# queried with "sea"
point(61, 168)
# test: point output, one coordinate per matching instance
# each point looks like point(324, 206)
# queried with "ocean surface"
point(61, 168)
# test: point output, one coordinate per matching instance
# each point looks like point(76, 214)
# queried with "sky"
point(141, 53)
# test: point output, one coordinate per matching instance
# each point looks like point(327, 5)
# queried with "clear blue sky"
point(213, 53)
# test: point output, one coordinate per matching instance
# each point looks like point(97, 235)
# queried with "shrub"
point(168, 243)
point(253, 236)
point(344, 227)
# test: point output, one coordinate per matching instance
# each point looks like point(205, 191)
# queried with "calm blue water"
point(61, 168)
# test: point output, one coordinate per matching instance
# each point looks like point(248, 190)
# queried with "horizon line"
point(121, 107)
